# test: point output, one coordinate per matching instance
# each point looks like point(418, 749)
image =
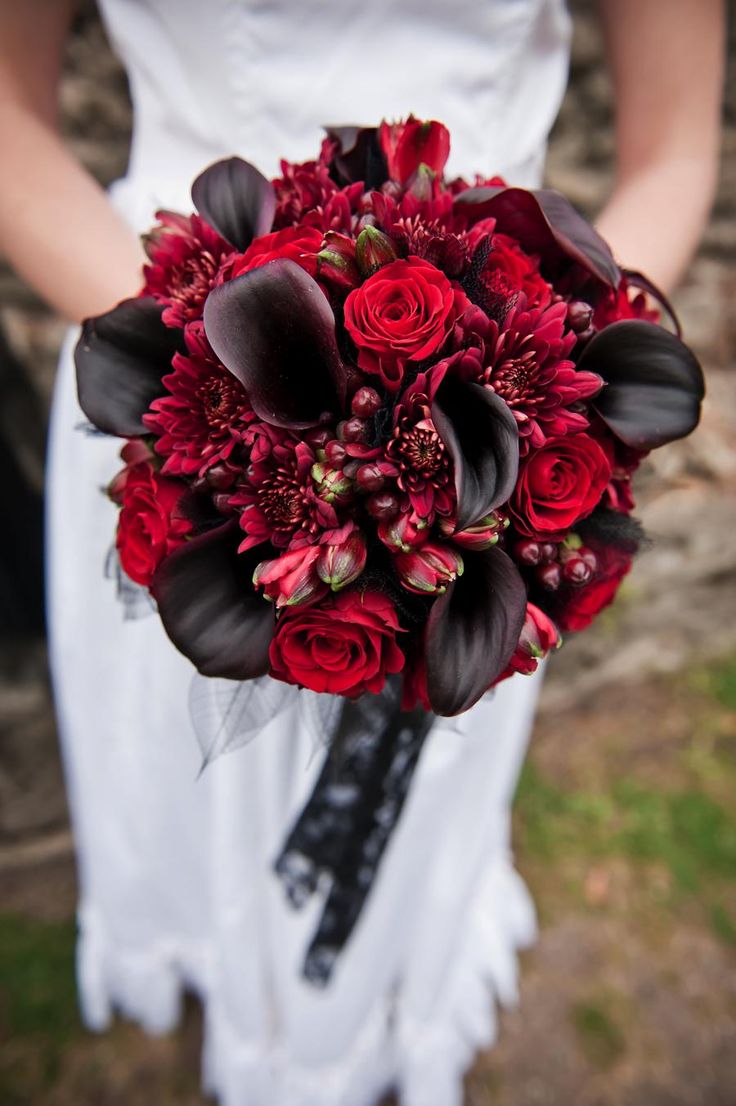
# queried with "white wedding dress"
point(177, 886)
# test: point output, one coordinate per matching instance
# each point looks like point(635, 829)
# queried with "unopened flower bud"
point(340, 564)
point(290, 579)
point(422, 183)
point(373, 249)
point(547, 552)
point(221, 477)
point(429, 569)
point(400, 534)
point(589, 557)
point(332, 484)
point(366, 402)
point(481, 535)
point(336, 260)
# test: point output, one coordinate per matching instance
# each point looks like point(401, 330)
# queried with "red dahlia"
point(204, 416)
point(526, 362)
point(423, 465)
point(185, 254)
point(281, 501)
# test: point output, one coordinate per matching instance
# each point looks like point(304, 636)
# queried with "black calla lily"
point(209, 608)
point(654, 383)
point(120, 358)
point(545, 223)
point(274, 330)
point(481, 435)
point(359, 156)
point(236, 200)
point(472, 630)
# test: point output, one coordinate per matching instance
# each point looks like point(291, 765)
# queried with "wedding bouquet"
point(381, 426)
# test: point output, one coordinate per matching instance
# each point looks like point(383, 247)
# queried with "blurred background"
point(626, 813)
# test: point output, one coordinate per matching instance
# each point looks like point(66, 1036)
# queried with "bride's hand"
point(667, 63)
point(57, 226)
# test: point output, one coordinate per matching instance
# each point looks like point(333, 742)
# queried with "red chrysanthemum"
point(185, 255)
point(203, 418)
point(526, 362)
point(416, 450)
point(280, 499)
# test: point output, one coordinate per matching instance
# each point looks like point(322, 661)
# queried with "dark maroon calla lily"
point(209, 608)
point(654, 383)
point(481, 435)
point(358, 157)
point(275, 331)
point(236, 200)
point(544, 223)
point(120, 358)
point(639, 280)
point(472, 630)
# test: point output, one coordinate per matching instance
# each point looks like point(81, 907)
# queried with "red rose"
point(404, 312)
point(299, 244)
point(559, 484)
point(149, 527)
point(584, 604)
point(345, 647)
point(408, 145)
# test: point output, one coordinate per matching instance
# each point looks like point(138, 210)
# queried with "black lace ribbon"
point(342, 832)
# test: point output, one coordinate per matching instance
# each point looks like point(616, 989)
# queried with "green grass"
point(600, 1037)
point(718, 681)
point(38, 1001)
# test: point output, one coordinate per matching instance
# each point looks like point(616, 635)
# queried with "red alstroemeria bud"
point(528, 552)
point(336, 260)
point(353, 430)
point(373, 249)
point(291, 579)
point(429, 569)
point(335, 453)
point(341, 563)
point(400, 534)
point(579, 315)
point(481, 535)
point(576, 572)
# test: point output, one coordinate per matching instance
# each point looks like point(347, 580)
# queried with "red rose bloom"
point(404, 312)
point(346, 647)
point(149, 527)
point(558, 485)
point(299, 244)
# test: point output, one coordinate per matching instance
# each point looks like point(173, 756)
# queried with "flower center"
point(192, 279)
point(281, 500)
point(219, 401)
point(422, 451)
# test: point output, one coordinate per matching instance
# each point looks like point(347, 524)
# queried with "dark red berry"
point(579, 315)
point(318, 436)
point(365, 402)
point(335, 453)
point(589, 557)
point(549, 576)
point(220, 477)
point(576, 572)
point(370, 478)
point(548, 552)
point(382, 505)
point(354, 430)
point(528, 552)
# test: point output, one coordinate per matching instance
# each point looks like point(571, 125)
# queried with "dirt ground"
point(625, 821)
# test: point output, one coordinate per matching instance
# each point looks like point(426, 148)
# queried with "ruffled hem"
point(422, 1057)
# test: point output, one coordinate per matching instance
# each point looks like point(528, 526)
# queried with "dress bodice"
point(261, 77)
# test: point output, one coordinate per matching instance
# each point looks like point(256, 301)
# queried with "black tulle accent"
point(613, 530)
point(342, 832)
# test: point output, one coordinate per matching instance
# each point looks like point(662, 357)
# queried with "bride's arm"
point(666, 61)
point(57, 227)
